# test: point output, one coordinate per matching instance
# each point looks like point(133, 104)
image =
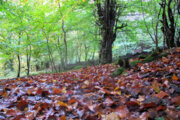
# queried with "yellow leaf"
point(174, 77)
point(60, 103)
point(117, 88)
point(156, 87)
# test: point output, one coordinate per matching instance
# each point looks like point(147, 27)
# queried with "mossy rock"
point(153, 56)
point(123, 62)
point(78, 67)
point(134, 63)
point(142, 56)
point(118, 71)
point(164, 54)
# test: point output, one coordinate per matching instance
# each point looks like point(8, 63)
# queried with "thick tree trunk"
point(105, 55)
point(108, 16)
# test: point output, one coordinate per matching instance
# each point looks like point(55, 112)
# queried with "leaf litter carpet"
point(146, 92)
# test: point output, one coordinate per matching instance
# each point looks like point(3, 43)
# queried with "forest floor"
point(147, 91)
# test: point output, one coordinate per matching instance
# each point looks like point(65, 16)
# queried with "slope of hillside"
point(148, 91)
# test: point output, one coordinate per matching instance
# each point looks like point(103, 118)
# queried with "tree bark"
point(19, 58)
point(168, 29)
point(108, 12)
point(64, 38)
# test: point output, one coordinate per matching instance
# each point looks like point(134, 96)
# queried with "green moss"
point(163, 54)
point(78, 67)
point(118, 71)
point(123, 62)
point(134, 63)
point(153, 56)
point(142, 56)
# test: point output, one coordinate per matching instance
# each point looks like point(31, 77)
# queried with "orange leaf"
point(5, 94)
point(160, 108)
point(60, 103)
point(174, 77)
point(178, 64)
point(72, 101)
point(63, 118)
point(57, 91)
point(161, 94)
point(165, 60)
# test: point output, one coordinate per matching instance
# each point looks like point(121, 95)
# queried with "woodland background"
point(42, 36)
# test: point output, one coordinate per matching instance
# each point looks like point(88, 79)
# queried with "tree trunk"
point(108, 12)
point(106, 48)
point(19, 58)
point(65, 42)
point(168, 29)
point(64, 37)
point(19, 66)
point(28, 60)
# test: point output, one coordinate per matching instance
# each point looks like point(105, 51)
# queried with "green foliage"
point(118, 71)
point(26, 25)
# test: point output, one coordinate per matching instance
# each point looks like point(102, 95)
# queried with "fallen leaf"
point(122, 112)
point(60, 103)
point(149, 105)
point(111, 116)
point(161, 94)
point(156, 87)
point(22, 105)
point(178, 64)
point(160, 108)
point(174, 77)
point(57, 91)
point(176, 100)
point(63, 118)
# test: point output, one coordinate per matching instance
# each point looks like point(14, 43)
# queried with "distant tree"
point(108, 13)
